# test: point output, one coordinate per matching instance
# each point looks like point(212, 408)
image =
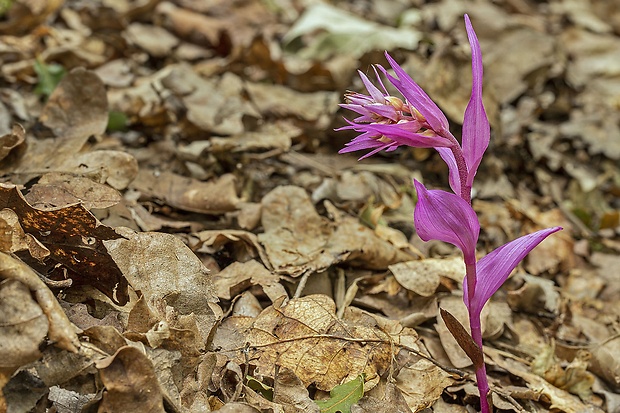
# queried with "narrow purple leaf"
point(453, 169)
point(446, 217)
point(495, 267)
point(416, 97)
point(476, 130)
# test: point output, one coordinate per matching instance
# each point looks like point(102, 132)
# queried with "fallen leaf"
point(61, 331)
point(130, 382)
point(74, 238)
point(305, 336)
point(213, 197)
point(343, 396)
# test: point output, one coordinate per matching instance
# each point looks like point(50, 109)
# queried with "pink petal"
point(446, 217)
point(476, 130)
point(417, 97)
point(495, 267)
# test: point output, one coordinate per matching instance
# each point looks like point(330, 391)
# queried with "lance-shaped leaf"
point(446, 217)
point(453, 169)
point(495, 267)
point(476, 130)
point(416, 97)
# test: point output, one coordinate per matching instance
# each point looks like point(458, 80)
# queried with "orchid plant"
point(387, 122)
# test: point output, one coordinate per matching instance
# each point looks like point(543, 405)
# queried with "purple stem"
point(476, 333)
point(457, 151)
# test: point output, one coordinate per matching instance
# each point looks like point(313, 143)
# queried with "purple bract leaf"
point(446, 217)
point(495, 267)
point(476, 130)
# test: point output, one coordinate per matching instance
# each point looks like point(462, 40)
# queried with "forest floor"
point(180, 234)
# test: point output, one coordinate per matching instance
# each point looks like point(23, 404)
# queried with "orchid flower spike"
point(387, 122)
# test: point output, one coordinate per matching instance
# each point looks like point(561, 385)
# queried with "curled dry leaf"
point(304, 335)
point(243, 244)
point(11, 140)
point(78, 107)
point(297, 239)
point(74, 238)
point(163, 268)
point(25, 15)
point(213, 197)
point(59, 190)
point(14, 239)
point(130, 383)
point(424, 276)
point(239, 276)
point(23, 327)
point(61, 331)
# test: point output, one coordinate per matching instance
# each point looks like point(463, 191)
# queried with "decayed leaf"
point(74, 238)
point(239, 276)
point(59, 190)
point(245, 245)
point(78, 107)
point(342, 397)
point(213, 197)
point(11, 140)
point(164, 269)
point(345, 33)
point(422, 383)
point(61, 331)
point(304, 335)
point(23, 327)
point(558, 399)
point(297, 239)
point(574, 378)
point(14, 239)
point(423, 277)
point(130, 382)
point(390, 401)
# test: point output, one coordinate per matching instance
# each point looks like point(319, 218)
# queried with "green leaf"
point(117, 121)
point(260, 387)
point(343, 397)
point(49, 77)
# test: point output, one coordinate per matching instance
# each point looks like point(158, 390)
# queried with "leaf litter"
point(208, 247)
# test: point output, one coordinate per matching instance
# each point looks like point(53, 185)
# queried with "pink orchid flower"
point(387, 122)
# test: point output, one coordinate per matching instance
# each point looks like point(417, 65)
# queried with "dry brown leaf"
point(239, 276)
point(130, 383)
point(61, 331)
point(23, 327)
point(391, 401)
point(164, 269)
point(423, 277)
point(213, 197)
point(11, 140)
point(304, 335)
point(557, 398)
point(244, 245)
point(78, 107)
point(74, 238)
point(59, 190)
point(297, 239)
point(156, 41)
point(24, 15)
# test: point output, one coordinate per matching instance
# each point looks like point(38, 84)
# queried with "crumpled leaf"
point(164, 269)
point(11, 140)
point(213, 197)
point(305, 336)
point(61, 331)
point(346, 33)
point(23, 327)
point(130, 382)
point(343, 396)
point(74, 238)
point(297, 239)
